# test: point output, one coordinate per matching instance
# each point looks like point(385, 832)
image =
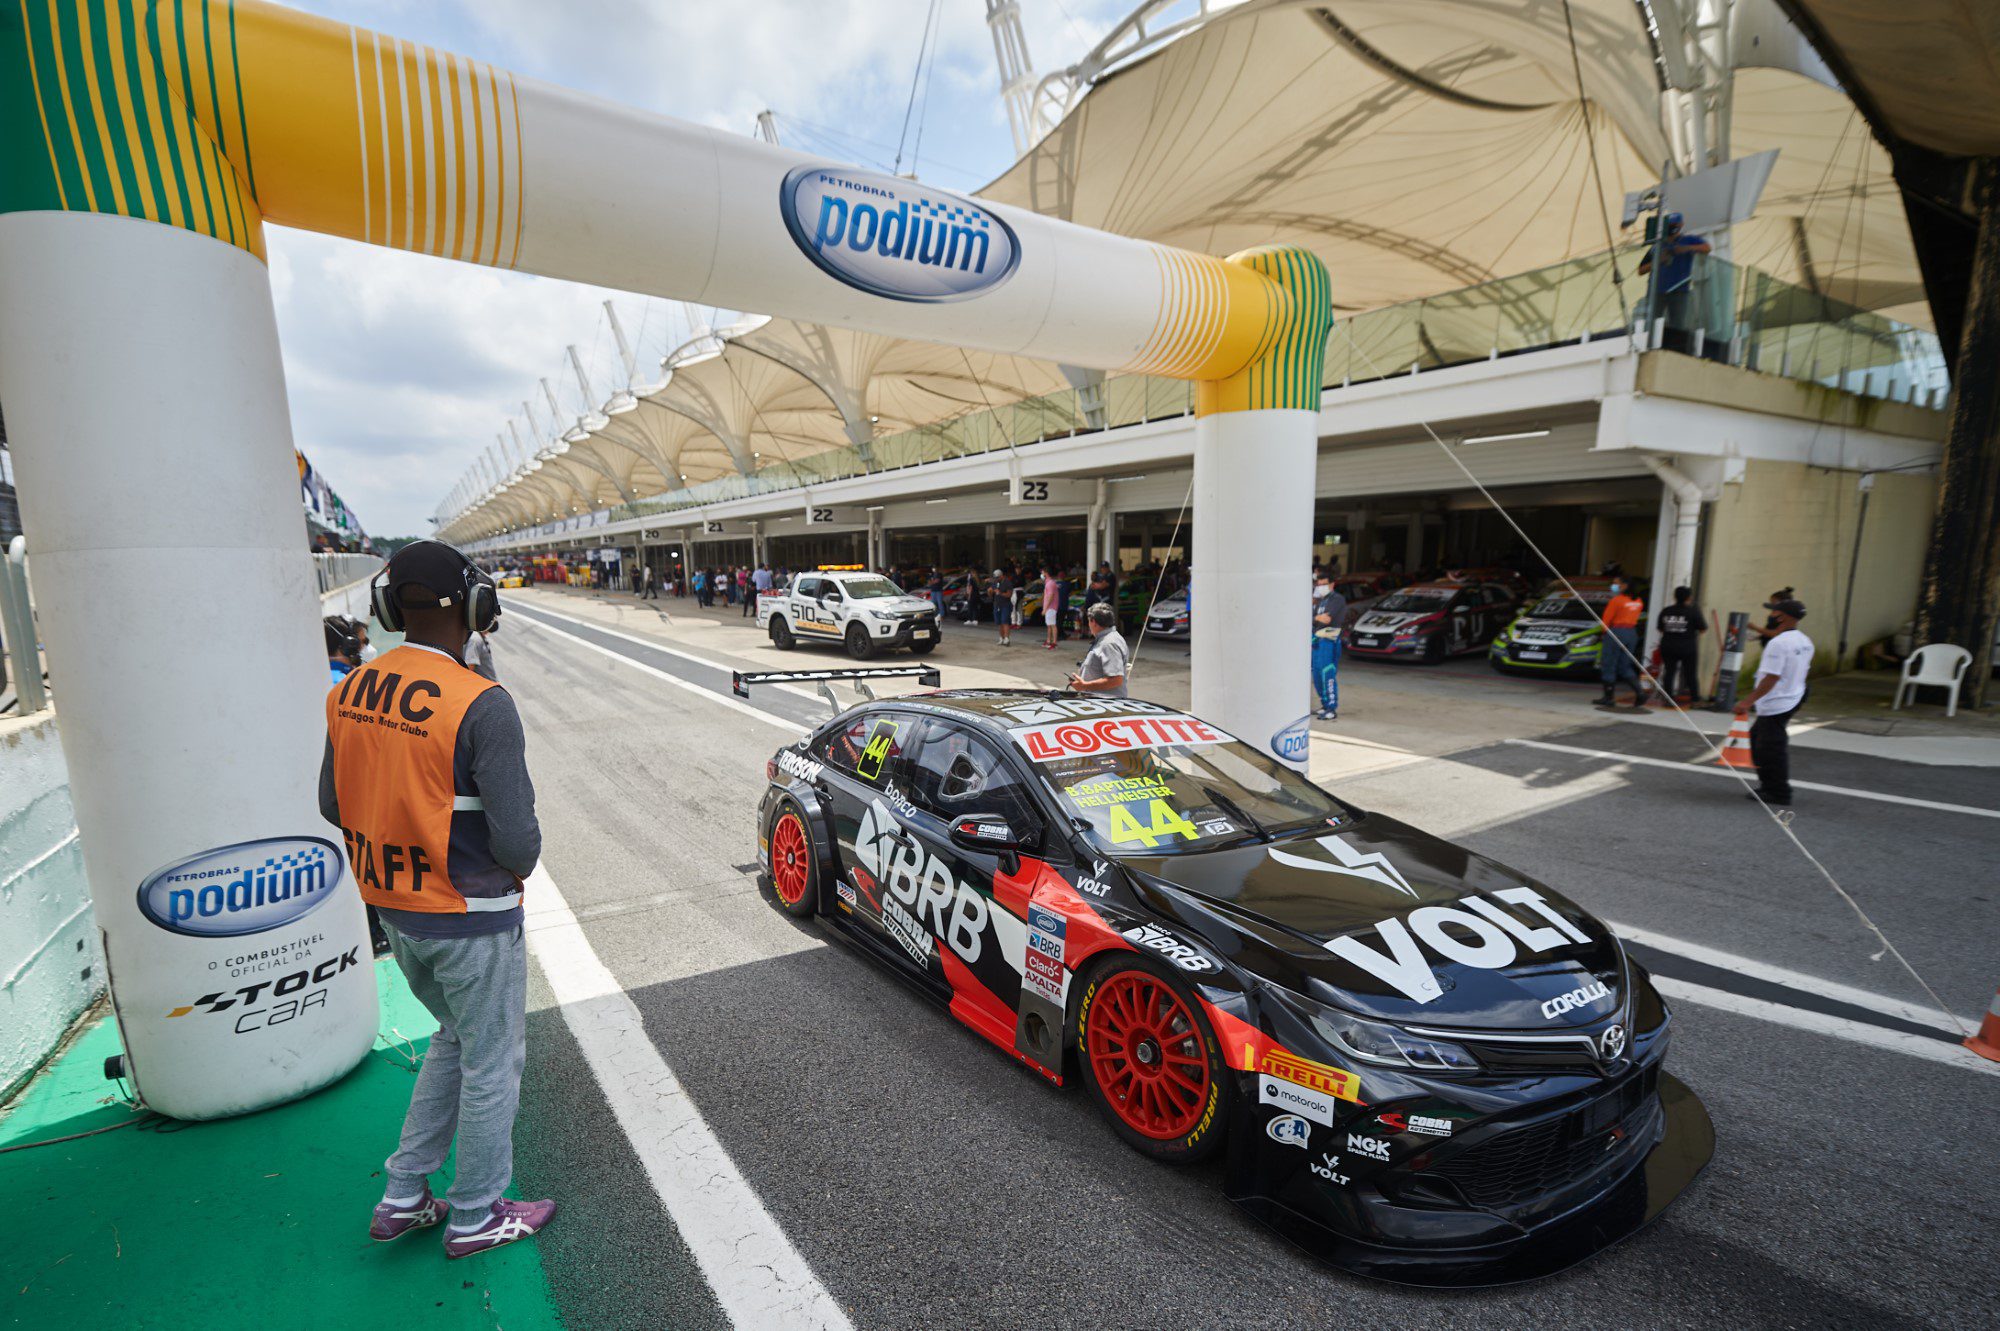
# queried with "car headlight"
point(1391, 1046)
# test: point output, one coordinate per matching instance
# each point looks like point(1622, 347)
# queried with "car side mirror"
point(994, 836)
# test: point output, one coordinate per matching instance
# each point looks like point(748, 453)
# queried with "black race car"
point(1422, 1065)
point(1432, 620)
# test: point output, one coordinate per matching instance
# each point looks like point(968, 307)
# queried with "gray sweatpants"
point(470, 1085)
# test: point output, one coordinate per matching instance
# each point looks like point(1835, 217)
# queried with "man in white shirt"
point(1781, 689)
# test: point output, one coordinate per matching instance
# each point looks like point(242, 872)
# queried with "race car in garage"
point(1432, 620)
point(1170, 616)
point(1559, 634)
point(1416, 1062)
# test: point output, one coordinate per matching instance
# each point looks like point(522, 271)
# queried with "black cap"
point(431, 565)
point(1791, 608)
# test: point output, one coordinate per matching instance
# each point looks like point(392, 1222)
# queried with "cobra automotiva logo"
point(895, 238)
point(242, 889)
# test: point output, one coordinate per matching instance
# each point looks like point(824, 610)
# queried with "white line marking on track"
point(675, 680)
point(1607, 755)
point(758, 1277)
point(1901, 1042)
point(637, 641)
point(1923, 1014)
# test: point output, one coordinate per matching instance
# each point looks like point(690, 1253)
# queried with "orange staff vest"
point(416, 832)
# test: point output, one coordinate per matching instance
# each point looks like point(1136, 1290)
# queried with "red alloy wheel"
point(790, 870)
point(1147, 1055)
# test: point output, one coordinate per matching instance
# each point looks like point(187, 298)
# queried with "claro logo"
point(242, 889)
point(895, 238)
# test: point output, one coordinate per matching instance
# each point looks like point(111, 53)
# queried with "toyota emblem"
point(1611, 1044)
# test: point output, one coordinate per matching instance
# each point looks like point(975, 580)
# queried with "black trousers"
point(1677, 665)
point(1771, 751)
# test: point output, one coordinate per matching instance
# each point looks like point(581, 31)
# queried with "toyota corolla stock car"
point(1416, 1062)
point(1431, 621)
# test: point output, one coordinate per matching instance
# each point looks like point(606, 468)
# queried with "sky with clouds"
point(401, 367)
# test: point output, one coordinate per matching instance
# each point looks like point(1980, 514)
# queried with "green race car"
point(1558, 634)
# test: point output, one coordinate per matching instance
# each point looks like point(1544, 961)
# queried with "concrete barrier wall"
point(51, 966)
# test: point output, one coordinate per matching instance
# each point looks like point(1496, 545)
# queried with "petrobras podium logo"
point(242, 889)
point(896, 238)
point(1294, 742)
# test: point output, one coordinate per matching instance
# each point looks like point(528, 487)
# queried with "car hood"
point(1173, 605)
point(1567, 626)
point(1392, 619)
point(896, 605)
point(1392, 922)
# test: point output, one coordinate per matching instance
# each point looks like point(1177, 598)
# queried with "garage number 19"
point(881, 741)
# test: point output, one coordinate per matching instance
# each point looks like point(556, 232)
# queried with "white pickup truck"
point(864, 612)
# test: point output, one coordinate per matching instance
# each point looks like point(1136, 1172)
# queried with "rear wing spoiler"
point(741, 680)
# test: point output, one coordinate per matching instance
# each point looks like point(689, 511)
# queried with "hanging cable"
point(1597, 176)
point(1782, 820)
point(916, 78)
point(1173, 543)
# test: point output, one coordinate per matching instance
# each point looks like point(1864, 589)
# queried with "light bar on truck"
point(741, 680)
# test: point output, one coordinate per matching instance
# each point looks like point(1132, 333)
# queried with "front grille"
point(1516, 1167)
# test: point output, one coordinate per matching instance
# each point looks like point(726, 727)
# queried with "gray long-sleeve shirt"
point(492, 758)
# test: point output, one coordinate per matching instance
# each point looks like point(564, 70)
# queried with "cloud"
point(402, 367)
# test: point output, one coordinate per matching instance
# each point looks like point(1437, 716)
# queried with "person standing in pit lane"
point(439, 819)
point(1780, 692)
point(1104, 666)
point(1000, 591)
point(1681, 628)
point(1618, 654)
point(1051, 606)
point(1329, 614)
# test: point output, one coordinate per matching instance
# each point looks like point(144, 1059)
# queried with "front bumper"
point(903, 632)
point(1543, 658)
point(1385, 645)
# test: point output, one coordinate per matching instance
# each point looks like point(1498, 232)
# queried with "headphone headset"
point(341, 639)
point(480, 597)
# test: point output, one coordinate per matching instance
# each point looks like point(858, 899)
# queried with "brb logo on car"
point(895, 238)
point(242, 889)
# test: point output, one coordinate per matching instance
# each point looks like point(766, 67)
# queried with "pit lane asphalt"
point(931, 1182)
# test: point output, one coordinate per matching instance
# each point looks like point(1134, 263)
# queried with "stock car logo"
point(242, 889)
point(895, 238)
point(285, 998)
point(1501, 938)
point(1349, 861)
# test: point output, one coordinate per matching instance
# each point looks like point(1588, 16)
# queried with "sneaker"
point(392, 1220)
point(1771, 801)
point(1326, 715)
point(507, 1221)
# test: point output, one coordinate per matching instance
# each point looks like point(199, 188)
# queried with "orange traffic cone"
point(1986, 1044)
point(1736, 749)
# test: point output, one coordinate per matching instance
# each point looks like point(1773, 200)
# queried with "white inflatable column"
point(1256, 448)
point(1251, 644)
point(146, 407)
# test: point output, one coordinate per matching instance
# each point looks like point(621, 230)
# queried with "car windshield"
point(1420, 600)
point(1163, 783)
point(1355, 591)
point(868, 589)
point(1564, 607)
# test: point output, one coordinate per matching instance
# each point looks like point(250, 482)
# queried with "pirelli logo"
point(1337, 1082)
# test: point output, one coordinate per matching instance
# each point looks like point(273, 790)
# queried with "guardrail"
point(21, 687)
point(337, 571)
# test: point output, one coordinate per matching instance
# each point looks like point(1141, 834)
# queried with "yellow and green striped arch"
point(212, 115)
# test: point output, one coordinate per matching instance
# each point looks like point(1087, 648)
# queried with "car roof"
point(974, 704)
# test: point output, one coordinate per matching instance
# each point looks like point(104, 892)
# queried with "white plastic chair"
point(1935, 665)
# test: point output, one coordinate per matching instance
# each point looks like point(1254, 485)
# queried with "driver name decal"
point(1498, 938)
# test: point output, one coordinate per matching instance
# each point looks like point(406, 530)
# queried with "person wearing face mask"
point(1329, 615)
point(1618, 655)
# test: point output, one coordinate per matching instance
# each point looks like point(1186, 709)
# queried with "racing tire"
point(1151, 1060)
point(794, 863)
point(923, 648)
point(859, 645)
point(781, 634)
point(1433, 650)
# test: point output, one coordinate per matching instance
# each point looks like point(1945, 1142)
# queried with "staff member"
point(1681, 628)
point(1329, 615)
point(1104, 665)
point(1618, 654)
point(1780, 691)
point(426, 778)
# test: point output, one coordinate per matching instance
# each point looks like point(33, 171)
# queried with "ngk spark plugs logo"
point(242, 889)
point(895, 238)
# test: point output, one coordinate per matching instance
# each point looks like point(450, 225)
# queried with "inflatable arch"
point(144, 144)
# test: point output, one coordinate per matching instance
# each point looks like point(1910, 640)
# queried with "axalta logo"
point(895, 238)
point(242, 889)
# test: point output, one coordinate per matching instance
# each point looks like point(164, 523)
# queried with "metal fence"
point(337, 571)
point(21, 687)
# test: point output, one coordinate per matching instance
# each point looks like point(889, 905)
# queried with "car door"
point(1498, 610)
point(958, 774)
point(809, 616)
point(865, 758)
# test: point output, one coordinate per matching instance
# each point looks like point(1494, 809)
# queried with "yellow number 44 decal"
point(1125, 825)
point(881, 743)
